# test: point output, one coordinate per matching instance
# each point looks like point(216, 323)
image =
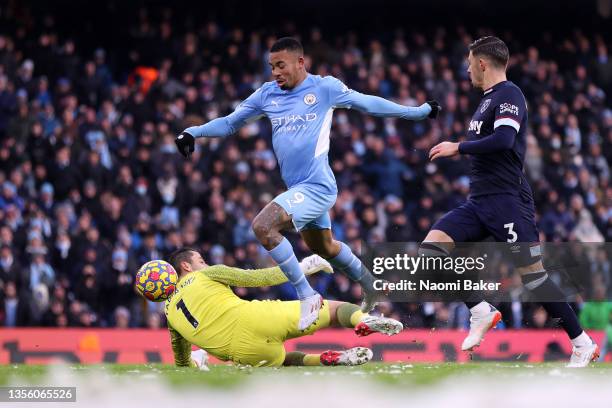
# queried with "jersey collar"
point(494, 87)
point(186, 276)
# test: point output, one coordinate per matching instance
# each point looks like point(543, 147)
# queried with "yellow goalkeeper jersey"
point(204, 311)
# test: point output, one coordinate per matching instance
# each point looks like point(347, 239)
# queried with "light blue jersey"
point(301, 121)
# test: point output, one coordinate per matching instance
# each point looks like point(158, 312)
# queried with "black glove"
point(185, 143)
point(435, 109)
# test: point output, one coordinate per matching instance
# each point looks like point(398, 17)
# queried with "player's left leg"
point(342, 314)
point(536, 280)
point(263, 328)
point(351, 357)
point(333, 314)
point(275, 217)
point(319, 238)
point(265, 325)
point(463, 224)
point(515, 223)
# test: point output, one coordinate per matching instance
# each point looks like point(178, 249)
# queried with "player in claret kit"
point(203, 310)
point(501, 202)
point(300, 107)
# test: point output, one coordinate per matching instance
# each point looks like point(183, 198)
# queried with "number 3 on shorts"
point(297, 199)
point(513, 235)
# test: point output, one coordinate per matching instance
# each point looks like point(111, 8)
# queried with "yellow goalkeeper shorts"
point(263, 328)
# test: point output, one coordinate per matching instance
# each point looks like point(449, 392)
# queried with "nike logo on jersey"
point(475, 125)
point(274, 103)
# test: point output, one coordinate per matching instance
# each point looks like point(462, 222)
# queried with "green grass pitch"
point(223, 376)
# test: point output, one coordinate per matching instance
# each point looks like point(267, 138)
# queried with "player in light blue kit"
point(300, 107)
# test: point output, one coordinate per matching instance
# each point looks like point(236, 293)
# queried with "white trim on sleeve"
point(507, 122)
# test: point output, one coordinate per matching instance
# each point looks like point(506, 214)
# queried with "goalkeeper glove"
point(199, 358)
point(435, 109)
point(185, 143)
point(313, 264)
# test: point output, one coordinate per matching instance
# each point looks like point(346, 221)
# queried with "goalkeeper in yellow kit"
point(204, 311)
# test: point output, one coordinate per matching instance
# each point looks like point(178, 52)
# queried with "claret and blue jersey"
point(501, 170)
point(501, 203)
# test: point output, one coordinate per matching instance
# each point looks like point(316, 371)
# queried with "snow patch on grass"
point(98, 387)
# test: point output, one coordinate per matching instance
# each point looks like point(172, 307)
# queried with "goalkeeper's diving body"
point(204, 311)
point(300, 108)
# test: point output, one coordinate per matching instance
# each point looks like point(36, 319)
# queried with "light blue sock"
point(285, 258)
point(351, 266)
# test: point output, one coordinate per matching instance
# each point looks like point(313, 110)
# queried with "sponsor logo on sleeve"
point(508, 108)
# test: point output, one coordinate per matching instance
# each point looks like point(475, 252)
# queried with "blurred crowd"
point(91, 185)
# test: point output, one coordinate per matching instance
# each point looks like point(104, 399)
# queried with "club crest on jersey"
point(485, 105)
point(309, 99)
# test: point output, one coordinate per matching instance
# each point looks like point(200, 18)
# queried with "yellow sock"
point(312, 359)
point(349, 315)
point(356, 317)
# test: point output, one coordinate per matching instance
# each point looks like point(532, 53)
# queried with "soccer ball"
point(156, 280)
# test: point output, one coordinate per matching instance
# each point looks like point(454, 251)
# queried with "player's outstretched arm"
point(377, 106)
point(248, 111)
point(342, 96)
point(502, 139)
point(252, 278)
point(508, 118)
point(181, 349)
